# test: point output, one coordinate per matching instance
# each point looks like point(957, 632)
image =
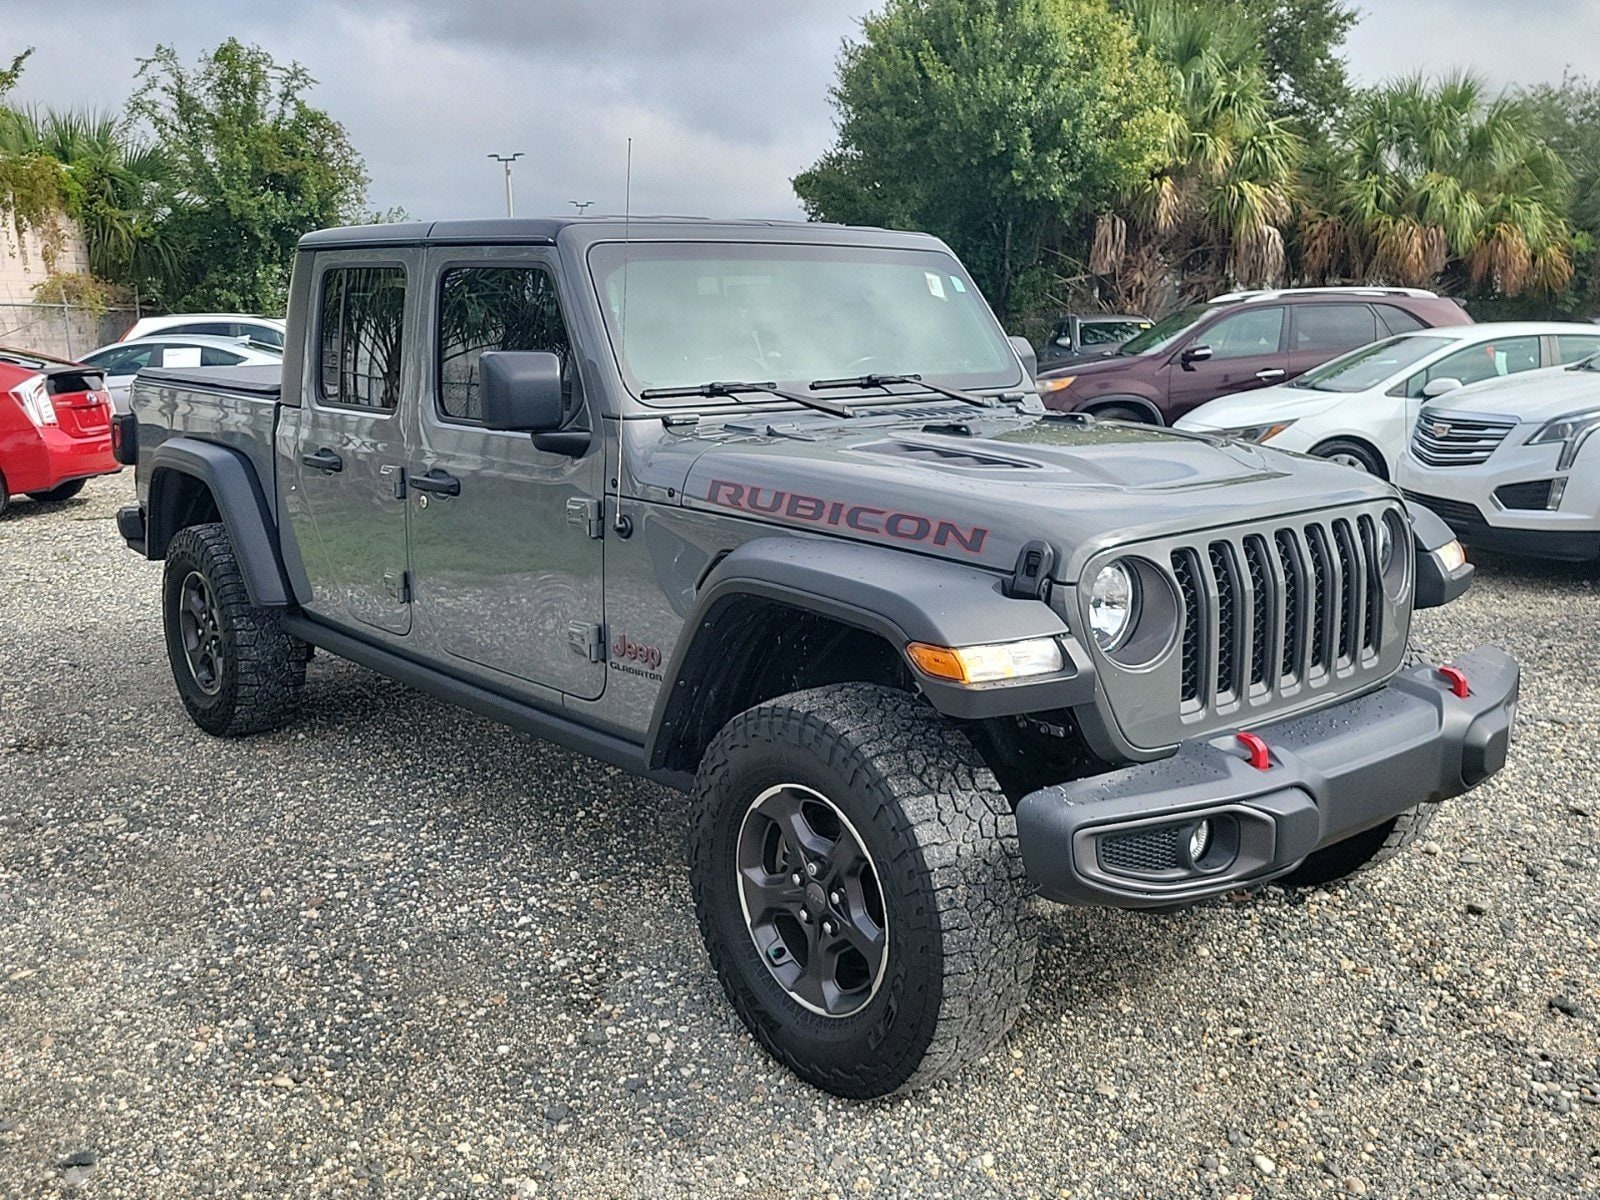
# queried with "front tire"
point(857, 809)
point(237, 671)
point(1351, 453)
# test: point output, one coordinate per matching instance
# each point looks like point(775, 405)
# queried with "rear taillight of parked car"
point(34, 396)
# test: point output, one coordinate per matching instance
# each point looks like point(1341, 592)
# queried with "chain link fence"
point(61, 330)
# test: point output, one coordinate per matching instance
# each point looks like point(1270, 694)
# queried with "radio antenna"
point(620, 523)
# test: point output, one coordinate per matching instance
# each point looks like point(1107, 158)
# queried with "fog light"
point(1199, 842)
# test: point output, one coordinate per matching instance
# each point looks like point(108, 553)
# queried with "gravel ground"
point(399, 951)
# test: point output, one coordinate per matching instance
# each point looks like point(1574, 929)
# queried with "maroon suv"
point(1237, 342)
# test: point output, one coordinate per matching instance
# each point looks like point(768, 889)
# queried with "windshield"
point(1371, 365)
point(1166, 331)
point(1100, 333)
point(687, 313)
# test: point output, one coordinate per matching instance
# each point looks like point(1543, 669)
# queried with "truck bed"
point(265, 382)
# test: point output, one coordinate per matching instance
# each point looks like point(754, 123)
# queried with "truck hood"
point(1260, 407)
point(1533, 396)
point(976, 486)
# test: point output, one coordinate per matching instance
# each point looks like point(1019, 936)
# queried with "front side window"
point(492, 308)
point(267, 335)
point(1486, 360)
point(1575, 347)
point(1247, 334)
point(1165, 331)
point(1370, 365)
point(125, 360)
point(361, 315)
point(1333, 326)
point(685, 314)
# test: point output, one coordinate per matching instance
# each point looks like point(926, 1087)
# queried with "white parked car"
point(1513, 465)
point(121, 361)
point(1359, 408)
point(266, 330)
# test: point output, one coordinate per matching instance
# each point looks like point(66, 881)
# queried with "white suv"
point(266, 330)
point(1511, 465)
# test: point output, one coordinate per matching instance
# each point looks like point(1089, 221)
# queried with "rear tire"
point(5, 495)
point(237, 671)
point(64, 491)
point(1352, 454)
point(950, 971)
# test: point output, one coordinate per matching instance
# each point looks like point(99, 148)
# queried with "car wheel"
point(1352, 454)
point(5, 494)
point(65, 491)
point(236, 670)
point(860, 890)
point(1123, 412)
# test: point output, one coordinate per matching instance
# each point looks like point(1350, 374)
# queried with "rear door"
point(347, 502)
point(507, 560)
point(1247, 351)
point(1319, 332)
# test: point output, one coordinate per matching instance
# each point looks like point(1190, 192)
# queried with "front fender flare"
point(900, 597)
point(240, 500)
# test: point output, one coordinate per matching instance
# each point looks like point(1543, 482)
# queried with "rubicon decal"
point(845, 514)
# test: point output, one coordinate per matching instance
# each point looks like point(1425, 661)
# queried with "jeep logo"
point(624, 649)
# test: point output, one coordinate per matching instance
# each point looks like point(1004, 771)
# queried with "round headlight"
point(1385, 546)
point(1113, 604)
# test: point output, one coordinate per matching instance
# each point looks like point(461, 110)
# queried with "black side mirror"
point(1196, 354)
point(522, 392)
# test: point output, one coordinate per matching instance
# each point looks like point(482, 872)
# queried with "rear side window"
point(210, 356)
point(492, 308)
point(267, 335)
point(1244, 334)
point(1397, 320)
point(1575, 347)
point(361, 315)
point(213, 328)
point(1333, 326)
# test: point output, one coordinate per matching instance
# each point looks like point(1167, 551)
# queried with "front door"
point(347, 451)
point(506, 549)
point(1247, 352)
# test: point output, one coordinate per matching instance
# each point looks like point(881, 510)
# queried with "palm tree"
point(1217, 209)
point(113, 184)
point(1437, 181)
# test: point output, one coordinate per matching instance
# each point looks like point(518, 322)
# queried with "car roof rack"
point(1278, 293)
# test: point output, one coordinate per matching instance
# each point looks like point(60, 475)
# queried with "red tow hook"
point(1457, 679)
point(1260, 756)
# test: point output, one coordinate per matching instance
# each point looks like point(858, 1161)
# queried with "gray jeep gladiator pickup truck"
point(770, 512)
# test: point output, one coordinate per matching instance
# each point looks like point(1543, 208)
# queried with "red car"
point(55, 427)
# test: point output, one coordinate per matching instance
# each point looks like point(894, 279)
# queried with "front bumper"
point(1119, 839)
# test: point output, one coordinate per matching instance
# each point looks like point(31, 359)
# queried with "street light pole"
point(507, 160)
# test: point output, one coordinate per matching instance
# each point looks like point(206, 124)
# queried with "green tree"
point(1438, 182)
point(253, 168)
point(33, 187)
point(1000, 125)
point(1214, 211)
point(1300, 51)
point(1567, 116)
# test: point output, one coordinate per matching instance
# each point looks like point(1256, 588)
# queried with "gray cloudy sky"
point(725, 99)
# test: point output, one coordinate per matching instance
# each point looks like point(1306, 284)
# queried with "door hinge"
point(586, 515)
point(588, 640)
point(398, 585)
point(399, 480)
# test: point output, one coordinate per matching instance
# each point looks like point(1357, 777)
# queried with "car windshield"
point(1166, 331)
point(681, 314)
point(1100, 333)
point(1370, 365)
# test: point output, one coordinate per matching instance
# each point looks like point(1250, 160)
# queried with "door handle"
point(439, 482)
point(323, 460)
point(1270, 374)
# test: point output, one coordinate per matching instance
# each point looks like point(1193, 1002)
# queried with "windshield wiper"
point(733, 390)
point(883, 381)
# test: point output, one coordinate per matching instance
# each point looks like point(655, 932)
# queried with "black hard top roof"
point(544, 231)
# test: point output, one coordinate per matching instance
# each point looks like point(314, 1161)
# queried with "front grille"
point(1268, 610)
point(1455, 513)
point(1147, 852)
point(1457, 441)
point(1532, 495)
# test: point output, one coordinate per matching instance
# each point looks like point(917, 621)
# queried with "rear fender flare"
point(240, 499)
point(897, 596)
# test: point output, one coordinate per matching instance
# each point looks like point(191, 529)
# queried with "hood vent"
point(945, 456)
